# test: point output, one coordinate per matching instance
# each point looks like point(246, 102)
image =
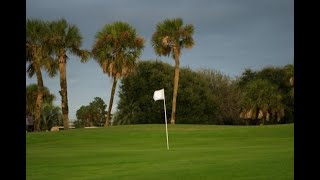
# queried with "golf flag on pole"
point(159, 95)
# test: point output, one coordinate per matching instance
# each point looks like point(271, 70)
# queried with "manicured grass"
point(139, 152)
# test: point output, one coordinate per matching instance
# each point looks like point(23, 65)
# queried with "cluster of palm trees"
point(47, 44)
point(116, 49)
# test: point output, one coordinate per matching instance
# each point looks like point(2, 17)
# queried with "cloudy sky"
point(230, 35)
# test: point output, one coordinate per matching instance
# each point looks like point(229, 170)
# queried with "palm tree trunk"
point(114, 85)
point(63, 92)
point(175, 86)
point(39, 99)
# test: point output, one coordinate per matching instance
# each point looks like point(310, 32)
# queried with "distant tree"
point(83, 117)
point(92, 115)
point(170, 38)
point(38, 56)
point(116, 49)
point(65, 38)
point(98, 111)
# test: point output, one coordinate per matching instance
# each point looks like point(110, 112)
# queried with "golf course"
point(140, 152)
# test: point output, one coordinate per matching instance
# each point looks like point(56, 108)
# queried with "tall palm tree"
point(65, 38)
point(170, 38)
point(38, 56)
point(116, 49)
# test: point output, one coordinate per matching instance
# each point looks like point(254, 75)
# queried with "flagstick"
point(165, 115)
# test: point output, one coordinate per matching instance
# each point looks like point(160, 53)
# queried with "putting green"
point(140, 152)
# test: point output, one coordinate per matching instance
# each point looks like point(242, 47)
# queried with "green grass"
point(139, 152)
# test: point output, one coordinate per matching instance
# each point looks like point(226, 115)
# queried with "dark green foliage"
point(227, 96)
point(281, 77)
point(91, 115)
point(247, 76)
point(206, 96)
point(262, 95)
point(136, 104)
point(79, 124)
point(277, 82)
point(195, 103)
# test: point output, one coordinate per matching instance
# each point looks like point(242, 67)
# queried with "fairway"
point(140, 152)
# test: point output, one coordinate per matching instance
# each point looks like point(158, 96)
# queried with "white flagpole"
point(165, 115)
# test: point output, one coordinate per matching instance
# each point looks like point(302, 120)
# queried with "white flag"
point(158, 95)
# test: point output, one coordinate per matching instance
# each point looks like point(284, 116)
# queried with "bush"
point(195, 103)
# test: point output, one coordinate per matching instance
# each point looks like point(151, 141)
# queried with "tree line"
point(207, 96)
point(118, 47)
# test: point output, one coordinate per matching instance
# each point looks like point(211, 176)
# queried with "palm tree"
point(263, 96)
point(170, 38)
point(50, 116)
point(38, 56)
point(32, 94)
point(116, 49)
point(65, 38)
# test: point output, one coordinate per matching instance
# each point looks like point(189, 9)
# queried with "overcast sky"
point(230, 35)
